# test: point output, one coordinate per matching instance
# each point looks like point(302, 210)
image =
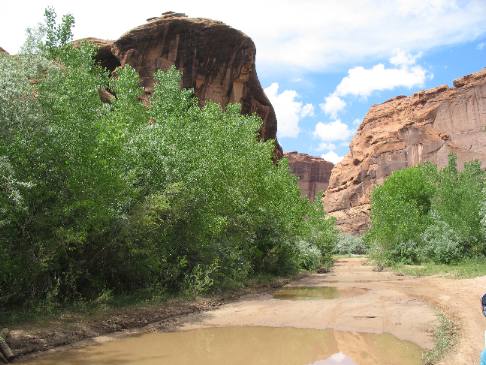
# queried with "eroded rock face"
point(217, 61)
point(313, 172)
point(403, 132)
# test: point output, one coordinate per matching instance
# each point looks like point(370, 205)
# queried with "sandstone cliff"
point(217, 61)
point(313, 172)
point(403, 132)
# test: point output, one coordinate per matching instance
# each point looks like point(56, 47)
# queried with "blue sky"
point(355, 53)
point(441, 65)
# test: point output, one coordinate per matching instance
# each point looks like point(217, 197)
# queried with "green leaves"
point(57, 36)
point(145, 192)
point(421, 213)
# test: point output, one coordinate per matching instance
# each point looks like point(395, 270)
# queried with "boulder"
point(217, 61)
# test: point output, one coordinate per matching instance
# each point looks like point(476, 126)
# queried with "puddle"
point(316, 292)
point(244, 345)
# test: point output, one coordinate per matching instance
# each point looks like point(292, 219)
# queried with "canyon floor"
point(369, 302)
point(406, 307)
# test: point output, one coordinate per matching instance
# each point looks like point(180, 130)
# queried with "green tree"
point(159, 195)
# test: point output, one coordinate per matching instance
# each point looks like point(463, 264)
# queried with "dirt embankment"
point(31, 339)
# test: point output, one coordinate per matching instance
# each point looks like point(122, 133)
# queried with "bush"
point(399, 214)
point(350, 245)
point(112, 198)
point(440, 243)
point(309, 255)
point(425, 214)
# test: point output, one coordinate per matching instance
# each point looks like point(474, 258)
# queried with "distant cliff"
point(217, 61)
point(403, 132)
point(313, 172)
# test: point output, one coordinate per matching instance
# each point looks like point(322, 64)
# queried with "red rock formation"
point(313, 172)
point(217, 61)
point(403, 132)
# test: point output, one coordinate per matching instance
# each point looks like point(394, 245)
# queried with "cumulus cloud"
point(332, 156)
point(332, 105)
point(307, 110)
point(327, 133)
point(324, 146)
point(362, 82)
point(402, 58)
point(289, 109)
point(332, 131)
point(312, 34)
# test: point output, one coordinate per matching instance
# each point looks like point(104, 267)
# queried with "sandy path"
point(402, 306)
point(460, 300)
point(384, 303)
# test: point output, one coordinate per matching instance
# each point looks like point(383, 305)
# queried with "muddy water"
point(244, 345)
point(315, 292)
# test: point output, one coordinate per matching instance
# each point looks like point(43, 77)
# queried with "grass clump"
point(445, 336)
point(465, 269)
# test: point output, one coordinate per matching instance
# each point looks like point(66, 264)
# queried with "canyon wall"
point(217, 61)
point(313, 172)
point(405, 131)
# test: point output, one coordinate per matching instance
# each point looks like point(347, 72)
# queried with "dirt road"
point(371, 302)
point(403, 306)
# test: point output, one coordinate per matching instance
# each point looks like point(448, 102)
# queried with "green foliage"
point(424, 214)
point(98, 200)
point(441, 243)
point(350, 245)
point(466, 268)
point(445, 336)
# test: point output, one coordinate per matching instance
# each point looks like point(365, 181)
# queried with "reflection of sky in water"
point(337, 359)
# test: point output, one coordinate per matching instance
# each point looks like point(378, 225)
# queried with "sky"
point(322, 63)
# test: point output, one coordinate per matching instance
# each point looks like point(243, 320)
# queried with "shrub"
point(440, 243)
point(424, 214)
point(399, 213)
point(350, 245)
point(309, 255)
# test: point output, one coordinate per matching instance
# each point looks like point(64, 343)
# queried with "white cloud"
point(402, 58)
point(481, 46)
point(332, 105)
point(362, 82)
point(307, 110)
point(310, 35)
point(332, 156)
point(332, 131)
point(289, 109)
point(324, 146)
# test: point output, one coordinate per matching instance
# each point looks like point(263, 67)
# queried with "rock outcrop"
point(406, 131)
point(2, 51)
point(217, 61)
point(313, 172)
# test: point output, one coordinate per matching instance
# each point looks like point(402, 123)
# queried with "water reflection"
point(315, 292)
point(336, 359)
